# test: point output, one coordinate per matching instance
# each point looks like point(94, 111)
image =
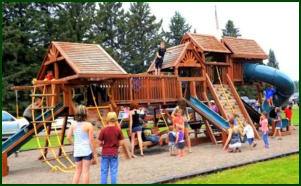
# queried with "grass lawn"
point(295, 116)
point(32, 144)
point(278, 171)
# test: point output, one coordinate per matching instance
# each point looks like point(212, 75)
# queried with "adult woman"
point(84, 145)
point(234, 138)
point(135, 126)
point(182, 106)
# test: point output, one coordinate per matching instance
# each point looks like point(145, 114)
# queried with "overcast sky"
point(272, 25)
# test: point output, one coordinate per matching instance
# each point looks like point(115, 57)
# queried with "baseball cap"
point(112, 116)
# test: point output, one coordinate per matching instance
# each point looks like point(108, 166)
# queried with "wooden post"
point(148, 90)
point(210, 132)
point(192, 89)
point(259, 93)
point(163, 90)
point(4, 165)
point(131, 91)
point(63, 130)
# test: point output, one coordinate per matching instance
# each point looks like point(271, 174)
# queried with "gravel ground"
point(155, 165)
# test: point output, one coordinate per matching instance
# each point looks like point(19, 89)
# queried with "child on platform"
point(180, 141)
point(264, 128)
point(159, 58)
point(278, 123)
point(248, 131)
point(171, 141)
point(269, 93)
point(49, 75)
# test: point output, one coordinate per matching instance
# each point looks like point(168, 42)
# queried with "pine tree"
point(109, 28)
point(178, 27)
point(272, 62)
point(231, 30)
point(141, 38)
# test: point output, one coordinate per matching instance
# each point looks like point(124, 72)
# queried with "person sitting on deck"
point(234, 138)
point(49, 75)
point(147, 135)
point(269, 93)
point(27, 114)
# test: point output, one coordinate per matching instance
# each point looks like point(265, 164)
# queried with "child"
point(180, 141)
point(49, 75)
point(178, 119)
point(248, 131)
point(288, 112)
point(265, 129)
point(269, 93)
point(110, 138)
point(171, 141)
point(159, 58)
point(233, 117)
point(278, 123)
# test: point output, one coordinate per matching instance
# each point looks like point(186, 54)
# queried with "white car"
point(10, 124)
point(58, 123)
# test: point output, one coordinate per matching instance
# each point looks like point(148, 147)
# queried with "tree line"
point(130, 36)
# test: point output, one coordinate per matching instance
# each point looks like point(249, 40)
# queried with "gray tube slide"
point(285, 87)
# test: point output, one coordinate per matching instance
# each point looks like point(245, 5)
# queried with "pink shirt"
point(264, 125)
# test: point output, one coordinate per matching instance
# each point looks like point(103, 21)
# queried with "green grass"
point(32, 144)
point(295, 116)
point(279, 171)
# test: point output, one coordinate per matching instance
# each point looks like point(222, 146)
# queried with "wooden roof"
point(206, 43)
point(244, 48)
point(171, 57)
point(83, 59)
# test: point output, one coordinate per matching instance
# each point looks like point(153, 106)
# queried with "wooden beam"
point(191, 79)
point(4, 165)
point(217, 63)
point(54, 60)
point(210, 132)
point(63, 130)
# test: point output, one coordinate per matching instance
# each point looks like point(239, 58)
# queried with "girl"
point(84, 145)
point(182, 106)
point(278, 123)
point(135, 127)
point(180, 141)
point(234, 138)
point(265, 128)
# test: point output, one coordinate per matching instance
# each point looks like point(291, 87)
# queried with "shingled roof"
point(83, 59)
point(171, 58)
point(244, 48)
point(206, 43)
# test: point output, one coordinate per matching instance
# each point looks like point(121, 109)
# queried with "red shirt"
point(49, 77)
point(178, 121)
point(110, 137)
point(288, 113)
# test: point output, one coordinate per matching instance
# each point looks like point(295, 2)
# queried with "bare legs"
point(139, 142)
point(82, 167)
point(157, 71)
point(187, 138)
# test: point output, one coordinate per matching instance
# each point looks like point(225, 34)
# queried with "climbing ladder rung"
point(53, 147)
point(41, 95)
point(44, 122)
point(40, 108)
point(59, 157)
point(44, 136)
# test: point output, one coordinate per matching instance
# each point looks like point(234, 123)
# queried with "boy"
point(49, 75)
point(278, 123)
point(248, 131)
point(269, 93)
point(110, 138)
point(180, 141)
point(159, 58)
point(171, 141)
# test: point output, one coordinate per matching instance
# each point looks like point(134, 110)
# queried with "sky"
point(272, 25)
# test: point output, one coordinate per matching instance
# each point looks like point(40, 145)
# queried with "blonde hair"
point(80, 113)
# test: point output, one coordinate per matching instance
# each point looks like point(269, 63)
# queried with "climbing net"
point(58, 163)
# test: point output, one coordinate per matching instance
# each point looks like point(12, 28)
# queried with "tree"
point(231, 30)
point(109, 28)
point(178, 27)
point(141, 38)
point(272, 62)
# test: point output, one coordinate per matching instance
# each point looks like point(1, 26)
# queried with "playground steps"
point(228, 103)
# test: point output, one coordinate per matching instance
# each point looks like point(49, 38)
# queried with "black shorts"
point(158, 63)
point(181, 145)
point(78, 159)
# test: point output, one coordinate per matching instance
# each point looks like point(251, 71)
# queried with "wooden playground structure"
point(200, 67)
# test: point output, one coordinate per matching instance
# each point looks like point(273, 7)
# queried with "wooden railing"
point(145, 88)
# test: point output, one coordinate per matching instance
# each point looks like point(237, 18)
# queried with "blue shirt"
point(269, 93)
point(171, 137)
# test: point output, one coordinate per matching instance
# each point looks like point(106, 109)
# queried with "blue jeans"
point(153, 139)
point(265, 139)
point(109, 162)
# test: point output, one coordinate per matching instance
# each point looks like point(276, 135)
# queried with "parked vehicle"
point(10, 124)
point(59, 122)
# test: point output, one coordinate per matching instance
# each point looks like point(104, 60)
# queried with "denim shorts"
point(136, 129)
point(78, 159)
point(278, 125)
point(186, 125)
point(250, 140)
point(181, 145)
